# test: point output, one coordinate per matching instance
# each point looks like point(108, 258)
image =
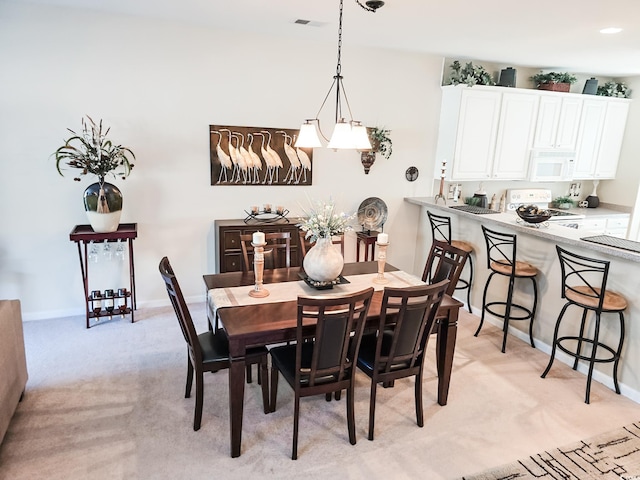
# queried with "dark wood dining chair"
point(277, 253)
point(397, 349)
point(322, 361)
point(209, 351)
point(445, 262)
point(305, 245)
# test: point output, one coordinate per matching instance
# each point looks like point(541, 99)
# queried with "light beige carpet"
point(613, 455)
point(108, 403)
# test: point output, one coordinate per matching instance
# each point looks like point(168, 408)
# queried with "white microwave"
point(552, 165)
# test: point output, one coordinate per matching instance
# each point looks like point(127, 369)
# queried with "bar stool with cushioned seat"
point(501, 260)
point(441, 230)
point(584, 282)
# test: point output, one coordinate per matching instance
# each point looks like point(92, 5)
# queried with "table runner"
point(287, 291)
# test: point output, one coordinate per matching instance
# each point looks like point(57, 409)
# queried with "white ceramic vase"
point(323, 262)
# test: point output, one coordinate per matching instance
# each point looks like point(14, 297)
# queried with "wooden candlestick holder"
point(258, 269)
point(440, 195)
point(382, 259)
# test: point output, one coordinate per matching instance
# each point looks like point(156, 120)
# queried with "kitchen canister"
point(507, 77)
point(590, 86)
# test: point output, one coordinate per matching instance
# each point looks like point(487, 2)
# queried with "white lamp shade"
point(360, 137)
point(342, 136)
point(308, 136)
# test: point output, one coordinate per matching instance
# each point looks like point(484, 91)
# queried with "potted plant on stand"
point(380, 143)
point(557, 82)
point(92, 153)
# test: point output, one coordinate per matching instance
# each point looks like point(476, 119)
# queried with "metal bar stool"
point(584, 282)
point(441, 230)
point(501, 260)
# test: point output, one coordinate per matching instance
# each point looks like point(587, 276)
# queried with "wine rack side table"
point(83, 235)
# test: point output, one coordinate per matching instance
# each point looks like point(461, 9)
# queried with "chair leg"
point(618, 352)
point(274, 388)
point(248, 369)
point(470, 283)
point(351, 419)
point(419, 409)
point(187, 392)
point(372, 407)
point(296, 416)
point(507, 314)
point(592, 361)
point(580, 337)
point(533, 310)
point(484, 303)
point(555, 341)
point(199, 393)
point(264, 384)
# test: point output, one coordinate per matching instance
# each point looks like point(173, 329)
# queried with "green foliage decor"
point(469, 75)
point(91, 152)
point(380, 141)
point(553, 77)
point(614, 89)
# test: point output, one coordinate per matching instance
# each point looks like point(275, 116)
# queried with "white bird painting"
point(257, 163)
point(223, 157)
point(274, 155)
point(294, 161)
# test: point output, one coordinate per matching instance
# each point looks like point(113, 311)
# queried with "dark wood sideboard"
point(227, 241)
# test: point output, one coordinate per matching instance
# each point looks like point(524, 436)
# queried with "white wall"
point(158, 86)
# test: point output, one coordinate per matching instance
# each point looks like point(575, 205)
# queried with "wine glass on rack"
point(93, 252)
point(120, 251)
point(107, 253)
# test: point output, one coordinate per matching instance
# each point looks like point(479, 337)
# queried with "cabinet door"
point(591, 123)
point(515, 136)
point(611, 140)
point(558, 122)
point(476, 134)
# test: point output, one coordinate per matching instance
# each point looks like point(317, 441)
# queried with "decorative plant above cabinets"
point(559, 82)
point(470, 74)
point(614, 89)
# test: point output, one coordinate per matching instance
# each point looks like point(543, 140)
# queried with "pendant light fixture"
point(349, 134)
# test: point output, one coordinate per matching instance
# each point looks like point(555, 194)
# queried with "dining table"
point(261, 321)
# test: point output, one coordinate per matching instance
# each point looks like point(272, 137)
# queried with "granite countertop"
point(553, 231)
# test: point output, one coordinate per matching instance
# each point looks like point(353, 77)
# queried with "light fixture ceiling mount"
point(346, 134)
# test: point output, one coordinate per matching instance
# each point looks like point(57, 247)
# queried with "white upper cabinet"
point(600, 137)
point(468, 129)
point(558, 122)
point(515, 135)
point(487, 133)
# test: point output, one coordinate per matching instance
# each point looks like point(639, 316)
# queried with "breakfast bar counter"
point(538, 247)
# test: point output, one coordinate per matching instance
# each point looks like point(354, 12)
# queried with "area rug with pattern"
point(613, 455)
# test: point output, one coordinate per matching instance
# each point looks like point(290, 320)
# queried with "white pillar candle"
point(258, 238)
point(383, 238)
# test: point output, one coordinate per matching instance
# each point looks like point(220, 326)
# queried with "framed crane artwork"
point(257, 156)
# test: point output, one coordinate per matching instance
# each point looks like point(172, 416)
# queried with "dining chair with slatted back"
point(277, 252)
point(209, 351)
point(445, 262)
point(397, 349)
point(322, 361)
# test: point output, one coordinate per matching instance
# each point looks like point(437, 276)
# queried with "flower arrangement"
point(323, 221)
point(614, 89)
point(470, 74)
point(91, 152)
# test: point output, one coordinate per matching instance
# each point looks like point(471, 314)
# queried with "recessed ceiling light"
point(610, 30)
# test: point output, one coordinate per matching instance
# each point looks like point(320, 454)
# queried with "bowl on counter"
point(533, 214)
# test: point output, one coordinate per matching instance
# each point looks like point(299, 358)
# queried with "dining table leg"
point(445, 349)
point(236, 403)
